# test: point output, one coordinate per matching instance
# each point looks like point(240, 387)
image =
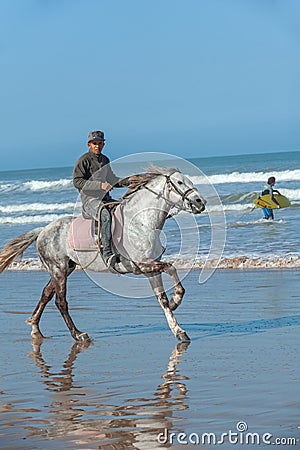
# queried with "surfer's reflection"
point(80, 417)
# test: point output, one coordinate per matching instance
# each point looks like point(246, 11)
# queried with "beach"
point(134, 387)
point(236, 384)
point(150, 225)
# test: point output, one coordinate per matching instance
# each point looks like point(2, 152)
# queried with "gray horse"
point(145, 208)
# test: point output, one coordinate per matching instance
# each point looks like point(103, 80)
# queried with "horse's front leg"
point(158, 289)
point(154, 266)
point(179, 290)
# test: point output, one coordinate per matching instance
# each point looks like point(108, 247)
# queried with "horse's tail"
point(15, 247)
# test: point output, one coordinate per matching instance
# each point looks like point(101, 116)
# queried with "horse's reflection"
point(76, 417)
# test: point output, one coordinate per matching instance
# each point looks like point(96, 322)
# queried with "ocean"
point(134, 382)
point(31, 198)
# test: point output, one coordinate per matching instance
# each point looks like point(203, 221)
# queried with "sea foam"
point(32, 207)
point(247, 177)
point(236, 263)
point(44, 218)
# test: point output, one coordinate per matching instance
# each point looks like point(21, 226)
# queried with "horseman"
point(94, 179)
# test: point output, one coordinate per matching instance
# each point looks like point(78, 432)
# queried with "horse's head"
point(183, 193)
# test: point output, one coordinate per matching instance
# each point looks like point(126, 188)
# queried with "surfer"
point(268, 189)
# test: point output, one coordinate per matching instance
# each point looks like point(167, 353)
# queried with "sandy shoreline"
point(134, 382)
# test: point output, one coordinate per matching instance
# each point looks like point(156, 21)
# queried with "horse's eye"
point(180, 182)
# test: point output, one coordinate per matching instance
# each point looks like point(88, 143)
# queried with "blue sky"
point(190, 78)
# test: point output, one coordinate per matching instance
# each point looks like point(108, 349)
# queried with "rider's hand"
point(106, 186)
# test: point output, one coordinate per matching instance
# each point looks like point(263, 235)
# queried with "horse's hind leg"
point(34, 320)
point(157, 286)
point(59, 278)
point(47, 295)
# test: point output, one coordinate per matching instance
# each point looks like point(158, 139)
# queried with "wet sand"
point(134, 382)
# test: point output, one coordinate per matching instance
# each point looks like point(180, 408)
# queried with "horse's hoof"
point(182, 336)
point(83, 337)
point(172, 305)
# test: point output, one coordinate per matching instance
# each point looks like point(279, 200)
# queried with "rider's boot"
point(105, 230)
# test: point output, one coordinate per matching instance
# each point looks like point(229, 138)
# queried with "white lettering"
point(171, 436)
point(194, 438)
point(222, 439)
point(211, 438)
point(233, 437)
point(163, 437)
point(266, 438)
point(252, 438)
point(181, 438)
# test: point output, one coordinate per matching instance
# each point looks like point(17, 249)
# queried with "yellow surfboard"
point(265, 201)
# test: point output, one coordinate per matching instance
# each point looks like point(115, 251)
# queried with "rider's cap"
point(96, 135)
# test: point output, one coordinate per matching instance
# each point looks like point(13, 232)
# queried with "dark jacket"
point(89, 171)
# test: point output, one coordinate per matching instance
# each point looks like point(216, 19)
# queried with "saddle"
point(84, 233)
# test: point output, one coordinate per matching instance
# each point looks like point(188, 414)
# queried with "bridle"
point(172, 187)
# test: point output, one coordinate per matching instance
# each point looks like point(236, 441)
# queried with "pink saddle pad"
point(80, 235)
point(117, 225)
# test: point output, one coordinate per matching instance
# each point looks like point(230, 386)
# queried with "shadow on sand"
point(246, 327)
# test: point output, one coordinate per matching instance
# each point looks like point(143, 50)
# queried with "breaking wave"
point(233, 263)
point(247, 177)
point(47, 185)
point(43, 218)
point(233, 177)
point(37, 185)
point(32, 207)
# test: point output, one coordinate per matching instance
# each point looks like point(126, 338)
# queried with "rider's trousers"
point(90, 208)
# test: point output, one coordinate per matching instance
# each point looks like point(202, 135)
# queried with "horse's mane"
point(141, 179)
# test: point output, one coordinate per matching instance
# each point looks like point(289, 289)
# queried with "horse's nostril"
point(198, 200)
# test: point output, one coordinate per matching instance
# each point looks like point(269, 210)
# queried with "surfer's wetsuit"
point(268, 212)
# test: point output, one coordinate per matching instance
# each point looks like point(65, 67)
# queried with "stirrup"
point(111, 261)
